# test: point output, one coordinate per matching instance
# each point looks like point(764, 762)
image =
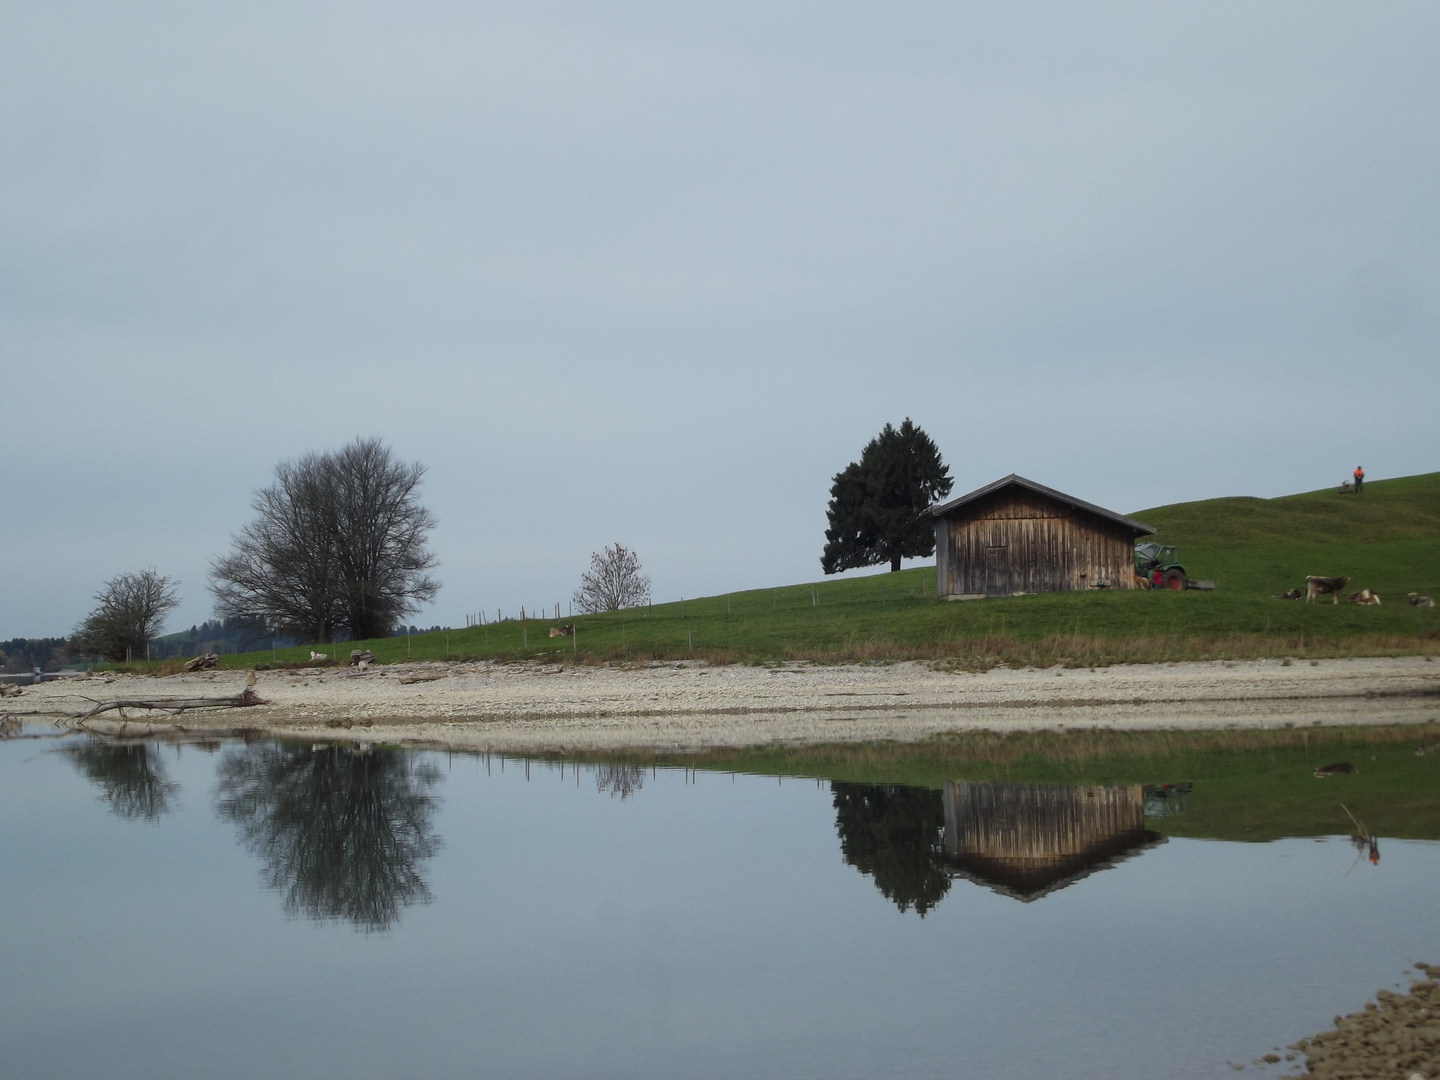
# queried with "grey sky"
point(653, 272)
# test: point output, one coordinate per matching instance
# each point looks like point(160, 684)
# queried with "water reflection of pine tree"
point(131, 777)
point(892, 834)
point(342, 832)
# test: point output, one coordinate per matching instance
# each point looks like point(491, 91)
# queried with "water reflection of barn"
point(1029, 840)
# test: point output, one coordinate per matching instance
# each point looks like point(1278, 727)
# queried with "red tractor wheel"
point(1173, 579)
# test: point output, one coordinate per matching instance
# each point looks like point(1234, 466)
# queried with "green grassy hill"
point(1387, 539)
point(1390, 510)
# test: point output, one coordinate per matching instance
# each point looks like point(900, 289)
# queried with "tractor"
point(1159, 564)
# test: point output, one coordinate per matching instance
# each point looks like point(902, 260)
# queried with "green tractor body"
point(1160, 565)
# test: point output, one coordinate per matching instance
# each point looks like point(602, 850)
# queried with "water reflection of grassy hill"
point(1249, 785)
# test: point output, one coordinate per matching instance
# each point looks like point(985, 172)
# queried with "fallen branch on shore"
point(242, 700)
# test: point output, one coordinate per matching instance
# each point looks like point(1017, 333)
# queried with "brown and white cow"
point(1324, 586)
point(1364, 596)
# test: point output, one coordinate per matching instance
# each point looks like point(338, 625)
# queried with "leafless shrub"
point(613, 581)
point(338, 544)
point(132, 610)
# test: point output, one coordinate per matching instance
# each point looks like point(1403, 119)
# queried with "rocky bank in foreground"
point(1397, 1035)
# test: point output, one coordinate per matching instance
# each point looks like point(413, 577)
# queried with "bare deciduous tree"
point(613, 581)
point(338, 545)
point(132, 611)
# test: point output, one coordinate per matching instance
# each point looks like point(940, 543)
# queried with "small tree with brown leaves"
point(613, 581)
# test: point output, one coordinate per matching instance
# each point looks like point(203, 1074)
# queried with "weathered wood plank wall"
point(999, 820)
point(1018, 541)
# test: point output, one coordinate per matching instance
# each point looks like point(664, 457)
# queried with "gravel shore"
point(1397, 1035)
point(694, 705)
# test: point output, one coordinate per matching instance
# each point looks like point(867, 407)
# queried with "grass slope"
point(1387, 539)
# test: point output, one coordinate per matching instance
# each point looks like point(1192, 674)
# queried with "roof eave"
point(941, 509)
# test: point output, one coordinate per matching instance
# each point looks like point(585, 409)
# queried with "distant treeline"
point(221, 636)
point(26, 654)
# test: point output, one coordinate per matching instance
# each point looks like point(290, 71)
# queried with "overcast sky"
point(653, 272)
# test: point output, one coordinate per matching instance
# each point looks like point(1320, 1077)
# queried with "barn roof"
point(1028, 880)
point(1015, 480)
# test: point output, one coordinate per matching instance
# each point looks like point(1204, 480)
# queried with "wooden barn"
point(1028, 840)
point(1015, 536)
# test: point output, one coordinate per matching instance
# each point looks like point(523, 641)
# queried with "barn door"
point(997, 570)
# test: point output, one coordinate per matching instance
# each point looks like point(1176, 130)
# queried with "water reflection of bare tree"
point(622, 780)
point(892, 834)
point(342, 832)
point(131, 777)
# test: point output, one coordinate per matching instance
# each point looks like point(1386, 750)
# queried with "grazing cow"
point(1324, 586)
point(1416, 600)
point(1293, 594)
point(1364, 596)
point(562, 631)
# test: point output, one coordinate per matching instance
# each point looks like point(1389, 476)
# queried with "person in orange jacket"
point(1359, 479)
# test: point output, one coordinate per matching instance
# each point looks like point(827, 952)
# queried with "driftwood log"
point(204, 660)
point(241, 700)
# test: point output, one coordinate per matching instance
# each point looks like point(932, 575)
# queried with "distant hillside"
point(1387, 539)
point(1407, 508)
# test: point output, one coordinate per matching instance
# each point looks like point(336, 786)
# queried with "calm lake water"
point(239, 910)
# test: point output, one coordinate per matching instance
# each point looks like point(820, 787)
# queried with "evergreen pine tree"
point(876, 503)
